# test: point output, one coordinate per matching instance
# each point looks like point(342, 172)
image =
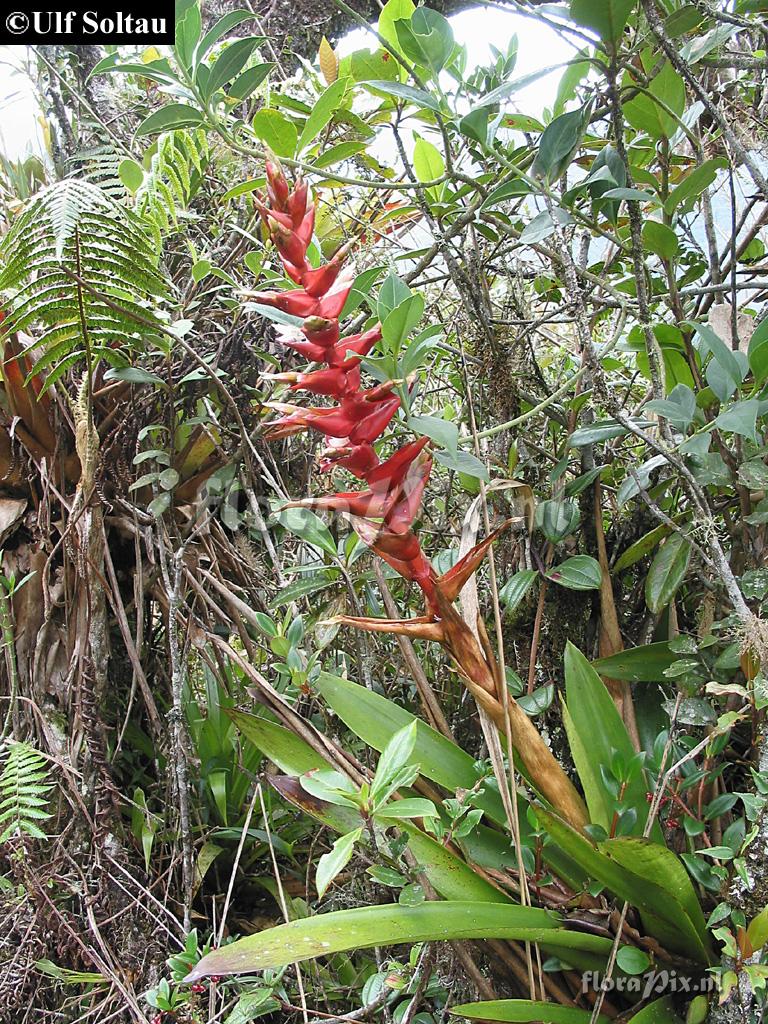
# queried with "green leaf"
point(757, 932)
point(644, 664)
point(331, 863)
point(169, 117)
point(393, 292)
point(574, 74)
point(463, 462)
point(543, 225)
point(290, 753)
point(557, 519)
point(229, 65)
point(276, 131)
point(135, 375)
point(303, 588)
point(404, 92)
point(366, 927)
point(393, 11)
point(155, 70)
point(597, 733)
point(660, 239)
point(559, 141)
point(375, 720)
point(395, 756)
point(336, 154)
point(398, 324)
point(663, 867)
point(741, 418)
point(303, 523)
point(632, 960)
point(660, 1011)
point(600, 430)
point(428, 161)
point(159, 505)
point(322, 112)
point(244, 84)
point(581, 572)
point(606, 17)
point(635, 194)
point(131, 174)
point(525, 1010)
point(640, 548)
point(691, 187)
point(663, 915)
point(758, 352)
point(277, 316)
point(506, 90)
point(426, 38)
point(360, 290)
point(667, 571)
point(414, 807)
point(251, 1005)
point(168, 479)
point(515, 589)
point(222, 27)
point(646, 114)
point(188, 28)
point(440, 430)
point(451, 876)
point(709, 342)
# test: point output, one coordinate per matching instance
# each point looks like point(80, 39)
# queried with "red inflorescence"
point(382, 514)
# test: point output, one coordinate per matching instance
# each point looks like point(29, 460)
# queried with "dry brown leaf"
point(329, 62)
point(721, 323)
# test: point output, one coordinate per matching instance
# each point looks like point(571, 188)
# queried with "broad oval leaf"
point(606, 17)
point(667, 571)
point(169, 117)
point(581, 572)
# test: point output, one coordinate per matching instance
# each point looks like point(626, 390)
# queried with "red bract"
point(382, 515)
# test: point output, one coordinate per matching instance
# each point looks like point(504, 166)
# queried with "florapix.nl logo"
point(102, 21)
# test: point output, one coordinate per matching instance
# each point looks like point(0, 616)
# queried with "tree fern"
point(101, 166)
point(76, 253)
point(24, 787)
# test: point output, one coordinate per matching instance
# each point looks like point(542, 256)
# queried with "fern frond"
point(74, 230)
point(24, 788)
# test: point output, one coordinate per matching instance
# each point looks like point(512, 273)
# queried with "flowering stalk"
point(384, 512)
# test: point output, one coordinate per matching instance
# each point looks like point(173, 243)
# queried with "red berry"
point(673, 823)
point(198, 988)
point(214, 978)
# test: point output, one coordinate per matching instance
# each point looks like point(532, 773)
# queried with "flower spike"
point(383, 514)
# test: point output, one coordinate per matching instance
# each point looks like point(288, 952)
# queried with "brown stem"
point(545, 773)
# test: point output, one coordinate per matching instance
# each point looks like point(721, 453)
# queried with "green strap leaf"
point(523, 1010)
point(663, 915)
point(366, 927)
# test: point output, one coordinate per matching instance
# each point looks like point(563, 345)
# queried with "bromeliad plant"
point(383, 514)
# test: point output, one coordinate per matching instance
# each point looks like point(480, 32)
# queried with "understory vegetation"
point(383, 510)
